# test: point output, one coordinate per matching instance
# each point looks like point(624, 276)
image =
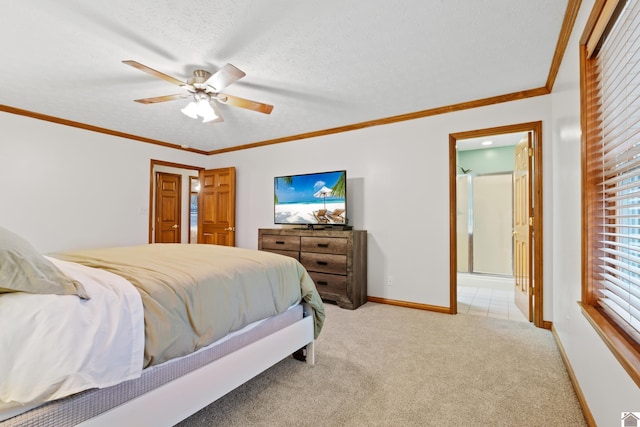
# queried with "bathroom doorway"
point(483, 228)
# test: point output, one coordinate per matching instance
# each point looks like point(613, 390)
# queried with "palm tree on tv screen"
point(339, 189)
point(285, 179)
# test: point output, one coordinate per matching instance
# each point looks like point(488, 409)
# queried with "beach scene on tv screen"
point(311, 199)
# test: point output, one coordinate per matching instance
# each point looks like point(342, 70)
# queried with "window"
point(611, 177)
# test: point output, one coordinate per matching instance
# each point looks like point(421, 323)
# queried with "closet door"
point(217, 207)
point(168, 208)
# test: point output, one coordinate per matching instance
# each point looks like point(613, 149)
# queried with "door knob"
point(230, 229)
point(174, 226)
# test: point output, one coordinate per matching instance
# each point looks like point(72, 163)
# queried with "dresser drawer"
point(327, 245)
point(292, 254)
point(324, 263)
point(329, 283)
point(281, 243)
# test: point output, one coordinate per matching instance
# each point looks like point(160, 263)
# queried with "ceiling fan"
point(204, 88)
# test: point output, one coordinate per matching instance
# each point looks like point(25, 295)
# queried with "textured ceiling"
point(321, 64)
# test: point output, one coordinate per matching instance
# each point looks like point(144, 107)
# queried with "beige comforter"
point(196, 294)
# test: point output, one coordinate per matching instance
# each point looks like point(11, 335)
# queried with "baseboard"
point(427, 307)
point(574, 381)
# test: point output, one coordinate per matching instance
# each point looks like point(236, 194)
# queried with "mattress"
point(75, 409)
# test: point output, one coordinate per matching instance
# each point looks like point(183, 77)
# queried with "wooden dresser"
point(335, 259)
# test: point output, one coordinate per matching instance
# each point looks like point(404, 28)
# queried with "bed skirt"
point(80, 407)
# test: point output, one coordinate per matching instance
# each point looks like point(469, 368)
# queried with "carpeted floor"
point(382, 365)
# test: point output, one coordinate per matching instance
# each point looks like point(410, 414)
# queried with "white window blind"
point(614, 97)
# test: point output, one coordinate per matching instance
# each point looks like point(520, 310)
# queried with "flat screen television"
point(311, 199)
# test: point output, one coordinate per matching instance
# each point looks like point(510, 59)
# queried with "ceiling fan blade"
point(224, 77)
point(153, 72)
point(162, 98)
point(245, 103)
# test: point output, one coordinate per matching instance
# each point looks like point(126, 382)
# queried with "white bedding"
point(52, 346)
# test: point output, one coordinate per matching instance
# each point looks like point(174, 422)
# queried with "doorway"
point(471, 241)
point(185, 177)
point(207, 203)
point(194, 187)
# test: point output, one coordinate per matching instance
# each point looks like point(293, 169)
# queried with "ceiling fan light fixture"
point(209, 115)
point(191, 110)
point(203, 108)
point(200, 107)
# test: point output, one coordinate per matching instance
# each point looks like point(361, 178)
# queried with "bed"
point(145, 334)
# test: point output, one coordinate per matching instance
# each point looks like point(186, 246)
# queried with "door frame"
point(536, 247)
point(152, 179)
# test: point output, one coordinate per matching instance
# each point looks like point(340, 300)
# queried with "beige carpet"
point(382, 365)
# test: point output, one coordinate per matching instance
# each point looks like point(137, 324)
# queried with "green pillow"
point(23, 269)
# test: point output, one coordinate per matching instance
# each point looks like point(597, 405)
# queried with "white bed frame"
point(184, 396)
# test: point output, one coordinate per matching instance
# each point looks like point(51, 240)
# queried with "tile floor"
point(489, 296)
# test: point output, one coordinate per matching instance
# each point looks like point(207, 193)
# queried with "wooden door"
point(168, 208)
point(522, 215)
point(217, 207)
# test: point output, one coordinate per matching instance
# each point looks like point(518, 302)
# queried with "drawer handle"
point(322, 262)
point(323, 245)
point(323, 283)
point(279, 242)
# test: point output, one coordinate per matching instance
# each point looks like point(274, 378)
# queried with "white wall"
point(607, 388)
point(398, 190)
point(66, 188)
